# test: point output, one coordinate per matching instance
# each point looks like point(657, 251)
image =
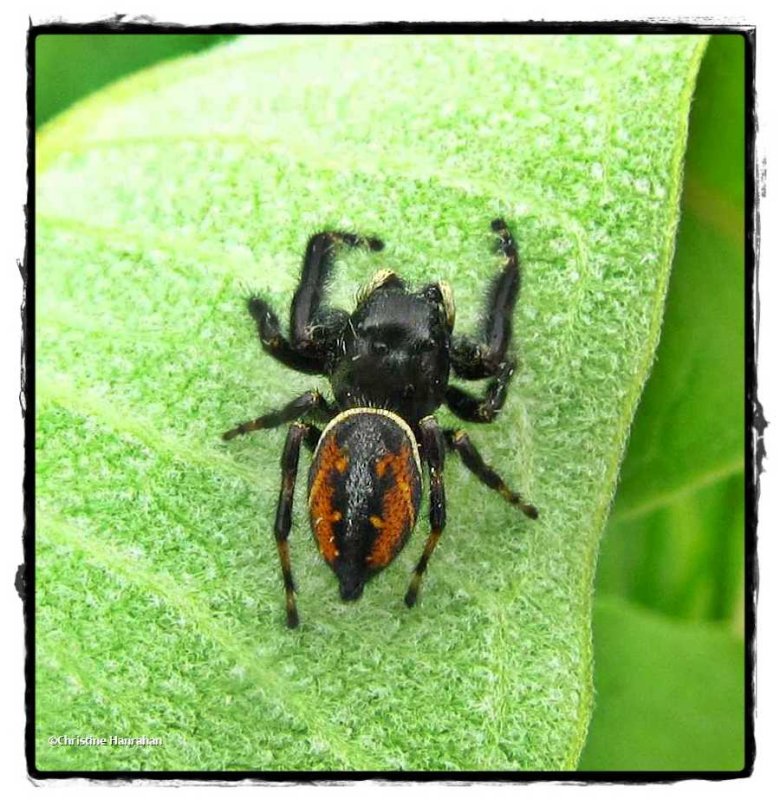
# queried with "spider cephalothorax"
point(389, 364)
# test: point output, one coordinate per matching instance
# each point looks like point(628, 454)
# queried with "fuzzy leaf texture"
point(160, 202)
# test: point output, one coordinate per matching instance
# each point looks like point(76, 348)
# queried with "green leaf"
point(669, 694)
point(684, 559)
point(675, 541)
point(159, 600)
point(68, 67)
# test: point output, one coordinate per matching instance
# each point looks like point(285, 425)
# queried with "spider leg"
point(433, 451)
point(312, 324)
point(483, 357)
point(275, 344)
point(459, 441)
point(306, 403)
point(296, 433)
point(481, 409)
point(313, 435)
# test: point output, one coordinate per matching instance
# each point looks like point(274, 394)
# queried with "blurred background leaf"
point(675, 540)
point(70, 66)
point(670, 693)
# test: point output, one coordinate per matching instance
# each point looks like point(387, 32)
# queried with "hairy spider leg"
point(296, 433)
point(313, 324)
point(275, 344)
point(478, 358)
point(481, 409)
point(486, 357)
point(308, 402)
point(313, 435)
point(433, 452)
point(459, 441)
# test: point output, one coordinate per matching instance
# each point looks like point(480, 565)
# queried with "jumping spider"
point(388, 364)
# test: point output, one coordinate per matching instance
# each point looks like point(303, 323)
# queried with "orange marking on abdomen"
point(383, 463)
point(398, 511)
point(323, 514)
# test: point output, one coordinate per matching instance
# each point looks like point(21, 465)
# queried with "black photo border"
point(753, 417)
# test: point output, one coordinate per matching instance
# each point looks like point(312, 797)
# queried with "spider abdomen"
point(365, 486)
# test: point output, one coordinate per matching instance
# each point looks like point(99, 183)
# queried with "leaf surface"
point(159, 203)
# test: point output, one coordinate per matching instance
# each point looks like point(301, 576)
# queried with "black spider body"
point(395, 353)
point(389, 365)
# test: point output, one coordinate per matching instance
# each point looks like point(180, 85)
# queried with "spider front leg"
point(487, 356)
point(312, 324)
point(306, 403)
point(460, 442)
point(481, 409)
point(275, 344)
point(484, 357)
point(313, 327)
point(433, 453)
point(296, 434)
